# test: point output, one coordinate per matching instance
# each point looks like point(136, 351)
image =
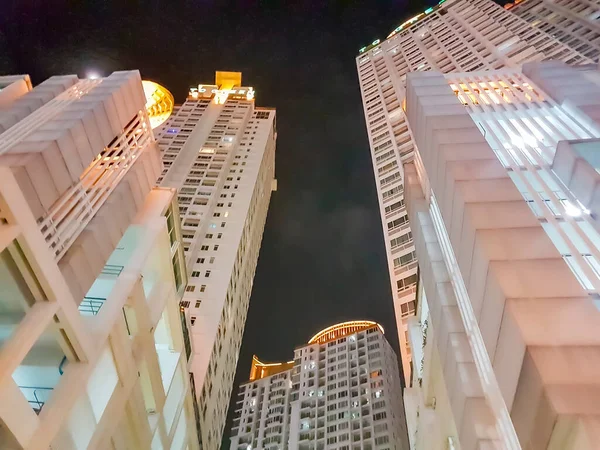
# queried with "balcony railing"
point(186, 335)
point(78, 206)
point(91, 305)
point(196, 410)
point(36, 396)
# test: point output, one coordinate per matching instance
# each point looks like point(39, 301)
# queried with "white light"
point(93, 75)
point(571, 209)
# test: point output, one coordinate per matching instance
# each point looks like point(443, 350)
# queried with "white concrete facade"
point(91, 345)
point(343, 393)
point(501, 198)
point(218, 150)
point(454, 36)
point(573, 22)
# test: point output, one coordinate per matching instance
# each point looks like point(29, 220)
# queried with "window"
point(400, 240)
point(203, 288)
point(204, 247)
point(406, 282)
point(193, 320)
point(200, 260)
point(207, 274)
point(407, 308)
point(198, 303)
point(195, 274)
point(379, 416)
point(190, 288)
point(405, 259)
point(397, 223)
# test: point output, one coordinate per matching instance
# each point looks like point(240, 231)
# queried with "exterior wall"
point(343, 393)
point(573, 22)
point(507, 252)
point(219, 153)
point(12, 87)
point(92, 357)
point(454, 36)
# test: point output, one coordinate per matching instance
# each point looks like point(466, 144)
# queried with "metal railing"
point(91, 305)
point(111, 269)
point(36, 396)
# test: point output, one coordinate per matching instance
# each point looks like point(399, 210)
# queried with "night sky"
point(322, 259)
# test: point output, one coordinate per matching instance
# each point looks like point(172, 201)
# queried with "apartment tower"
point(342, 391)
point(453, 36)
point(218, 151)
point(92, 354)
point(573, 22)
point(503, 198)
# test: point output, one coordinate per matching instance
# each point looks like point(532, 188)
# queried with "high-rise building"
point(503, 199)
point(454, 36)
point(573, 22)
point(92, 353)
point(342, 391)
point(219, 153)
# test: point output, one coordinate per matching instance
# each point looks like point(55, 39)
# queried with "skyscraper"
point(454, 36)
point(573, 22)
point(219, 153)
point(341, 391)
point(92, 353)
point(503, 198)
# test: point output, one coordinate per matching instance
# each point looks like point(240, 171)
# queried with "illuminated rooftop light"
point(93, 75)
point(342, 329)
point(159, 102)
point(260, 369)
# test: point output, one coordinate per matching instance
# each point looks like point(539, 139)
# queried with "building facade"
point(573, 22)
point(92, 354)
point(502, 195)
point(342, 391)
point(453, 36)
point(218, 151)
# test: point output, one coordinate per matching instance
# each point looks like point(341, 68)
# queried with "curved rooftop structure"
point(159, 102)
point(260, 369)
point(343, 329)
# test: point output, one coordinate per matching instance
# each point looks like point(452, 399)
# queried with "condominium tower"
point(573, 22)
point(453, 36)
point(92, 354)
point(218, 151)
point(342, 391)
point(503, 198)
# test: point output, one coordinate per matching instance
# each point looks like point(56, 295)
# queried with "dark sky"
point(322, 259)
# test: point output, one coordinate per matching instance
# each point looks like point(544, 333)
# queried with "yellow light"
point(159, 102)
point(343, 329)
